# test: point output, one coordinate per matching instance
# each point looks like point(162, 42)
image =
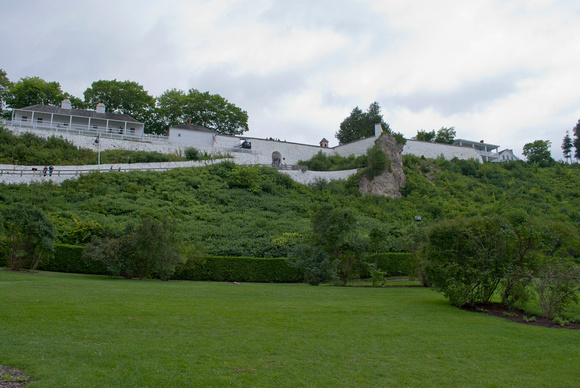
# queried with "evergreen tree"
point(567, 147)
point(361, 124)
point(576, 141)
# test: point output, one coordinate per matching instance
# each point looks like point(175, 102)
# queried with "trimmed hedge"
point(394, 264)
point(239, 269)
point(69, 258)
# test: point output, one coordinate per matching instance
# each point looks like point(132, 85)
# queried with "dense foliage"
point(256, 211)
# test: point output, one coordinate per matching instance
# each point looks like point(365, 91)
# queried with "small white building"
point(65, 117)
point(507, 155)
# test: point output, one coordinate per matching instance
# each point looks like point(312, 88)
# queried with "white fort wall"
point(435, 150)
point(260, 153)
point(262, 149)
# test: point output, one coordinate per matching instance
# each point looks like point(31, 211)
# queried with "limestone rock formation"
point(388, 183)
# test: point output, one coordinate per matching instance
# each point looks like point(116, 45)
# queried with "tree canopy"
point(125, 97)
point(208, 110)
point(443, 135)
point(32, 91)
point(4, 87)
point(538, 152)
point(361, 124)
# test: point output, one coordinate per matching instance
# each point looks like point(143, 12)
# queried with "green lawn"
point(78, 330)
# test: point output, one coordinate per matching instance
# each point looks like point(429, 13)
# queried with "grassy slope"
point(74, 330)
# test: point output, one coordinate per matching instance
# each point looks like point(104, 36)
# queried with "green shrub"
point(317, 266)
point(466, 258)
point(238, 269)
point(377, 161)
point(192, 153)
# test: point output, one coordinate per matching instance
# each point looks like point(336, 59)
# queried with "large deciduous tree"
point(361, 124)
point(445, 135)
point(202, 108)
point(125, 97)
point(538, 152)
point(4, 88)
point(32, 91)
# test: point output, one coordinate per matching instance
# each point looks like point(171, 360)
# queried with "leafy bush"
point(317, 266)
point(28, 236)
point(557, 284)
point(466, 259)
point(192, 153)
point(325, 162)
point(145, 250)
point(377, 161)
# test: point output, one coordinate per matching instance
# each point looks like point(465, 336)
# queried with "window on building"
point(24, 118)
point(132, 131)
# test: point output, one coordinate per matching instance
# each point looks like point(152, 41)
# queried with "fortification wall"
point(88, 142)
point(11, 174)
point(358, 147)
point(434, 150)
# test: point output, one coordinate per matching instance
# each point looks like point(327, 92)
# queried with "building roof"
point(480, 145)
point(79, 113)
point(192, 127)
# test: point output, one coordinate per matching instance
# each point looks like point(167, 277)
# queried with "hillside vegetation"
point(235, 210)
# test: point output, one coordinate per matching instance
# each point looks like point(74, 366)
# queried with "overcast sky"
point(507, 72)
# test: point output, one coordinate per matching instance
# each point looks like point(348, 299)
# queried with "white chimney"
point(100, 108)
point(65, 104)
point(378, 129)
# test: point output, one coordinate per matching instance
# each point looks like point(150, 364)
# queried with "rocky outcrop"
point(390, 182)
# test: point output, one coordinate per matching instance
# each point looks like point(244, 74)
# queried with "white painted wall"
point(11, 174)
point(260, 153)
point(434, 150)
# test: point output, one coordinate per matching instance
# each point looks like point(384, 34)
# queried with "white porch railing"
point(110, 133)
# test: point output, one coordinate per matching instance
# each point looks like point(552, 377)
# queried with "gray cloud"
point(469, 97)
point(251, 92)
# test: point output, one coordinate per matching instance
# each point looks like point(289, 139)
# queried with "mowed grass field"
point(81, 331)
